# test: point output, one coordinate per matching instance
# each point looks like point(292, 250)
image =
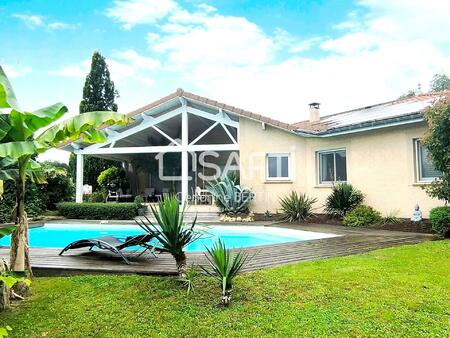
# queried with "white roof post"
point(184, 153)
point(79, 179)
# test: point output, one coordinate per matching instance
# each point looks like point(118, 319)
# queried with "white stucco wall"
point(381, 163)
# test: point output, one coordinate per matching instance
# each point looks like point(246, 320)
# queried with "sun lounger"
point(114, 244)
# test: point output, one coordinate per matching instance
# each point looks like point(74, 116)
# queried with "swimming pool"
point(59, 235)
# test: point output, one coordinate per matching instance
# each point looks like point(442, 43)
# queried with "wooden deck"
point(46, 262)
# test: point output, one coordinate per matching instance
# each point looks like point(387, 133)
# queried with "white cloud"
point(13, 71)
point(206, 8)
point(210, 40)
point(31, 21)
point(39, 21)
point(123, 65)
point(78, 70)
point(382, 50)
point(138, 61)
point(134, 12)
point(60, 26)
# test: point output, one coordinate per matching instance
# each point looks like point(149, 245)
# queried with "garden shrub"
point(59, 186)
point(34, 201)
point(98, 196)
point(139, 201)
point(296, 207)
point(113, 178)
point(362, 215)
point(440, 220)
point(343, 198)
point(100, 211)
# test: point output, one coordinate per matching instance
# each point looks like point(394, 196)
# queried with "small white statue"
point(417, 214)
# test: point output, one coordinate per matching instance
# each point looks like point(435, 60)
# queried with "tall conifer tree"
point(99, 94)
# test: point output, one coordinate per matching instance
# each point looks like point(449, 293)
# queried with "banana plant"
point(23, 135)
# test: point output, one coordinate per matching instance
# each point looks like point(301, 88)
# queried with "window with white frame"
point(277, 166)
point(332, 166)
point(425, 167)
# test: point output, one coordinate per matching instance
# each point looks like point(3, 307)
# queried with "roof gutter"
point(366, 126)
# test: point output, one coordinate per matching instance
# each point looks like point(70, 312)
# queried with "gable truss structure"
point(183, 145)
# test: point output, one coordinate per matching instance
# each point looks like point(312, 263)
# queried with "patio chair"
point(115, 244)
point(149, 194)
point(202, 196)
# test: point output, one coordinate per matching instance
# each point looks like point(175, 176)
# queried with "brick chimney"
point(314, 112)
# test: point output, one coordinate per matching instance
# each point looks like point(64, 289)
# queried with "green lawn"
point(402, 291)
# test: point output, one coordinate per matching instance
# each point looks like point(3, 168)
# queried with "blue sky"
point(271, 57)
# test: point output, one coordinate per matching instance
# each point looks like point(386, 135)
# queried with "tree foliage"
point(99, 93)
point(58, 186)
point(439, 83)
point(93, 166)
point(437, 141)
point(113, 178)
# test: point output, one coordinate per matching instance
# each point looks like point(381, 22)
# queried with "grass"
point(403, 291)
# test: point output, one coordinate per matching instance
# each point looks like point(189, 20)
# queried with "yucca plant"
point(231, 197)
point(296, 207)
point(225, 266)
point(190, 278)
point(343, 198)
point(392, 217)
point(170, 230)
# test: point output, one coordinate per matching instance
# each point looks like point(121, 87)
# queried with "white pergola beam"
point(146, 123)
point(166, 136)
point(214, 117)
point(159, 149)
point(199, 137)
point(228, 133)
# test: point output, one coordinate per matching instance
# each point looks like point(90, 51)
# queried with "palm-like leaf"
point(6, 231)
point(84, 125)
point(9, 171)
point(5, 126)
point(7, 96)
point(225, 265)
point(43, 117)
point(170, 230)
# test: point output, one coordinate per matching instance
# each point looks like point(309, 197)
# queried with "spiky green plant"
point(231, 197)
point(296, 207)
point(190, 278)
point(392, 217)
point(225, 266)
point(343, 198)
point(170, 230)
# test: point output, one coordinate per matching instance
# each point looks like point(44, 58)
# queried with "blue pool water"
point(59, 235)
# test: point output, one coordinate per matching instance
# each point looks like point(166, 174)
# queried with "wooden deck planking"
point(46, 261)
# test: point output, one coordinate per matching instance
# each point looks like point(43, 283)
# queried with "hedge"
point(97, 211)
point(440, 220)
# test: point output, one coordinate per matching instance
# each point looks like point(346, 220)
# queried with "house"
point(178, 143)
